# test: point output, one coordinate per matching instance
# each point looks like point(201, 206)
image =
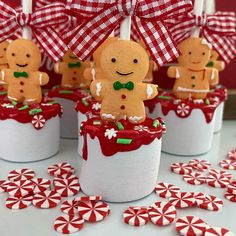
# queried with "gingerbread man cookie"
point(23, 78)
point(121, 90)
point(193, 78)
point(94, 71)
point(72, 69)
point(3, 60)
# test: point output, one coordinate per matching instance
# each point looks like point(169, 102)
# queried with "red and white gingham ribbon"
point(218, 29)
point(148, 18)
point(42, 23)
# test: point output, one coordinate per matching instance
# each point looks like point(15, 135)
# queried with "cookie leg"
point(15, 97)
point(199, 95)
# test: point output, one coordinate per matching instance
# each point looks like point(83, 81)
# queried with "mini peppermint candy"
point(20, 188)
point(21, 174)
point(194, 178)
point(166, 190)
point(70, 207)
point(182, 200)
point(17, 203)
point(38, 121)
point(211, 203)
point(228, 164)
point(41, 185)
point(67, 187)
point(60, 169)
point(181, 168)
point(217, 231)
point(232, 154)
point(200, 165)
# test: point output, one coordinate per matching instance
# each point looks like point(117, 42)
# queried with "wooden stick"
point(27, 9)
point(210, 6)
point(125, 29)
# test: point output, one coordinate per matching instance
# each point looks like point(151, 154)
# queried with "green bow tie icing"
point(118, 85)
point(21, 74)
point(210, 64)
point(73, 65)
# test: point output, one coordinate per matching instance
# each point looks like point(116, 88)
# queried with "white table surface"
point(36, 222)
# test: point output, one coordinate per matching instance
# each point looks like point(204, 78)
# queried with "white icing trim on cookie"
point(12, 98)
point(181, 89)
point(40, 78)
point(135, 118)
point(98, 88)
point(177, 74)
point(204, 42)
point(198, 101)
point(149, 90)
point(212, 75)
point(108, 116)
point(67, 85)
point(93, 72)
point(30, 100)
point(3, 76)
point(82, 85)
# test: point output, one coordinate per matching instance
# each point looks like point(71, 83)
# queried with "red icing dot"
point(122, 107)
point(21, 91)
point(75, 72)
point(22, 83)
point(74, 79)
point(123, 96)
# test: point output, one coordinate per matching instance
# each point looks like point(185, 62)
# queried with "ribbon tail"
point(51, 43)
point(158, 41)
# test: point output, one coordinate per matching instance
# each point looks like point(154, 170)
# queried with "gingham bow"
point(148, 18)
point(41, 22)
point(218, 29)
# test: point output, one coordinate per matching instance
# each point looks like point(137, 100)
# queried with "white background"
point(37, 222)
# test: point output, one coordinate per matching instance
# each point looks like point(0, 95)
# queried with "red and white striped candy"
point(232, 187)
point(230, 196)
point(136, 216)
point(70, 207)
point(88, 198)
point(20, 188)
point(68, 224)
point(199, 198)
point(211, 203)
point(93, 211)
point(160, 205)
point(181, 168)
point(3, 185)
point(16, 203)
point(200, 165)
point(228, 164)
point(47, 199)
point(60, 169)
point(163, 215)
point(232, 154)
point(166, 190)
point(217, 173)
point(219, 181)
point(182, 200)
point(194, 178)
point(216, 231)
point(67, 176)
point(38, 121)
point(191, 226)
point(67, 187)
point(21, 174)
point(41, 185)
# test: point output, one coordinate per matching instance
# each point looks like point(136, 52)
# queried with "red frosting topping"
point(36, 114)
point(183, 108)
point(122, 136)
point(219, 93)
point(67, 93)
point(88, 107)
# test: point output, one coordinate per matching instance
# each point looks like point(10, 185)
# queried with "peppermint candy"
point(38, 121)
point(3, 185)
point(199, 198)
point(41, 185)
point(21, 174)
point(230, 197)
point(70, 207)
point(67, 176)
point(211, 203)
point(160, 205)
point(135, 216)
point(181, 168)
point(20, 188)
point(216, 231)
point(182, 200)
point(68, 224)
point(17, 203)
point(232, 154)
point(194, 178)
point(67, 187)
point(88, 198)
point(191, 226)
point(217, 181)
point(232, 187)
point(200, 165)
point(93, 211)
point(60, 169)
point(183, 110)
point(220, 173)
point(163, 215)
point(47, 199)
point(228, 164)
point(166, 190)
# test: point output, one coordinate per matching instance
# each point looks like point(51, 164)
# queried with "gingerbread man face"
point(70, 57)
point(3, 48)
point(23, 55)
point(125, 61)
point(195, 53)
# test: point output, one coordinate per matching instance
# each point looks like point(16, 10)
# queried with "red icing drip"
point(142, 134)
point(75, 95)
point(85, 148)
point(23, 116)
point(92, 107)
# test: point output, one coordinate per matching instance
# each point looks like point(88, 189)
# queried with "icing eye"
point(113, 60)
point(203, 53)
point(135, 61)
point(4, 49)
point(13, 54)
point(27, 55)
point(190, 53)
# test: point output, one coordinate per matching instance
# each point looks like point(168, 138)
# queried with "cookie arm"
point(40, 78)
point(219, 65)
point(173, 72)
point(59, 67)
point(97, 88)
point(4, 74)
point(149, 91)
point(213, 76)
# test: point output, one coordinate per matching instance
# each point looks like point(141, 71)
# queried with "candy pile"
point(24, 189)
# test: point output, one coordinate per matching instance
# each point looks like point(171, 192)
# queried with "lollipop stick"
point(210, 6)
point(125, 29)
point(27, 9)
point(198, 10)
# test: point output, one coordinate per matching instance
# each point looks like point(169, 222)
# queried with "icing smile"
point(22, 65)
point(124, 74)
point(72, 57)
point(198, 62)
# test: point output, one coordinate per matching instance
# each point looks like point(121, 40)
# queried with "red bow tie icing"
point(219, 29)
point(41, 22)
point(148, 18)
